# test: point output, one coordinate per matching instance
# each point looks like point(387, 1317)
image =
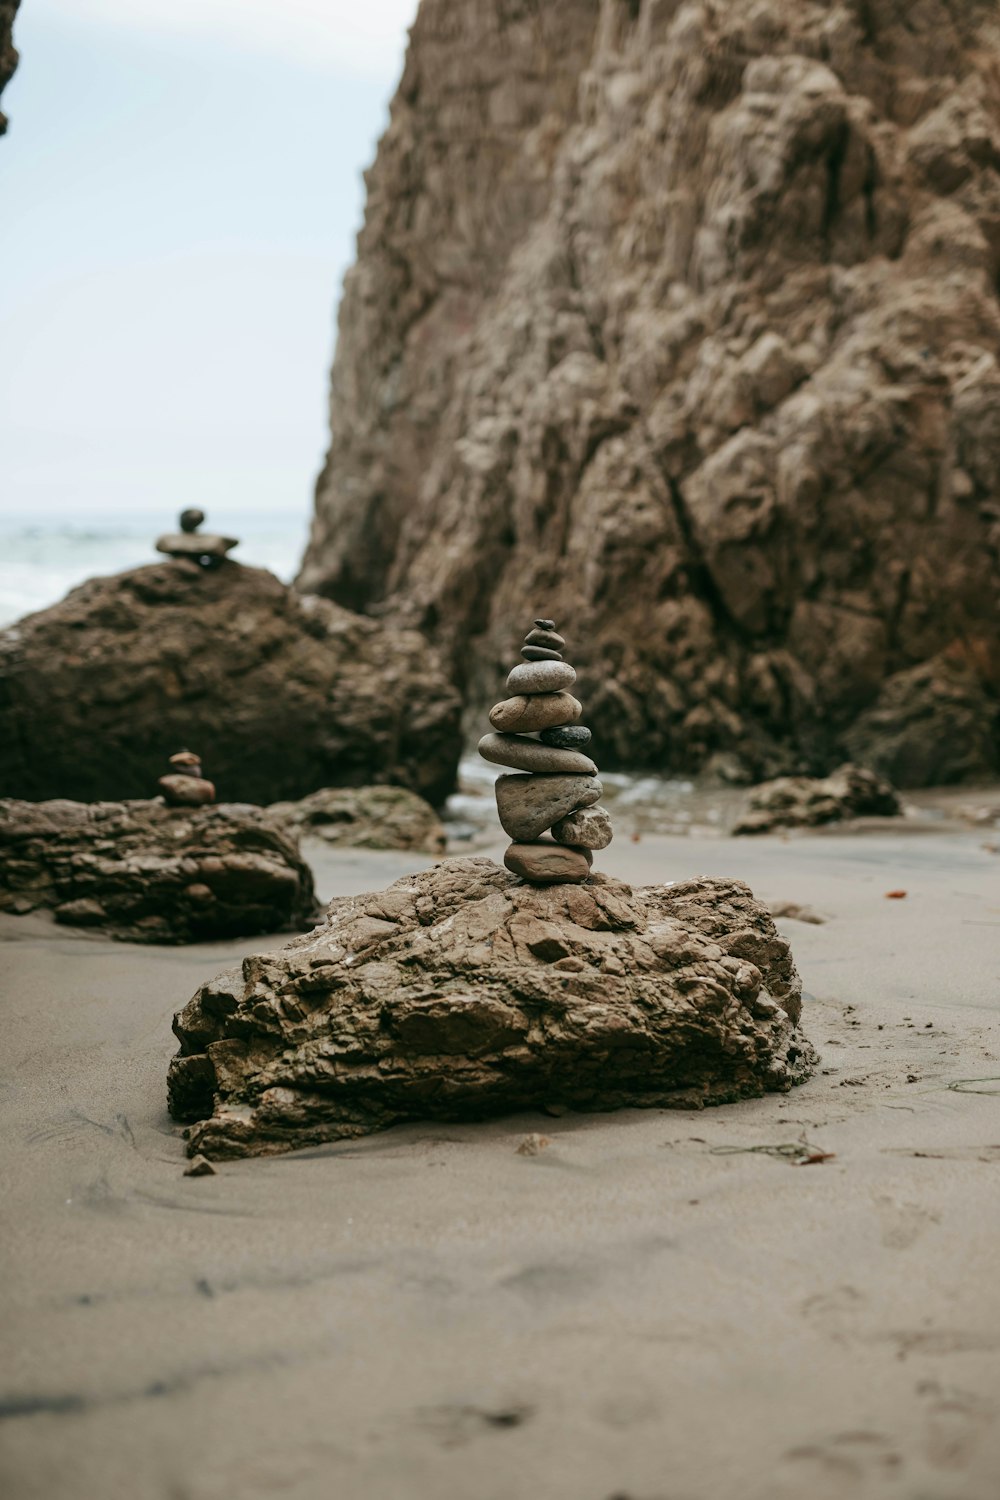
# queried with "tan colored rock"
point(683, 319)
point(464, 992)
point(808, 802)
point(185, 790)
point(546, 863)
point(527, 805)
point(587, 828)
point(364, 817)
point(530, 755)
point(540, 711)
point(541, 677)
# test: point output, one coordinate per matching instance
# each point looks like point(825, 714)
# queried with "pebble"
point(548, 864)
point(544, 638)
point(186, 791)
point(531, 755)
point(540, 653)
point(528, 805)
point(195, 544)
point(537, 712)
point(199, 1166)
point(186, 763)
point(541, 677)
point(587, 828)
point(545, 624)
point(567, 737)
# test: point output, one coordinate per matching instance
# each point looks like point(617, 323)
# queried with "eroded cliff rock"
point(463, 992)
point(281, 694)
point(680, 321)
point(152, 873)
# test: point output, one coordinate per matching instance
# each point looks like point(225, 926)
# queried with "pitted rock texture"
point(152, 873)
point(365, 817)
point(680, 321)
point(463, 992)
point(808, 802)
point(8, 52)
point(282, 694)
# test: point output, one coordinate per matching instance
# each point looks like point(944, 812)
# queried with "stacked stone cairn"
point(185, 786)
point(554, 784)
point(205, 548)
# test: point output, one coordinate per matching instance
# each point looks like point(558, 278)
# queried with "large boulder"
point(464, 992)
point(280, 694)
point(152, 873)
point(365, 817)
point(809, 802)
point(679, 323)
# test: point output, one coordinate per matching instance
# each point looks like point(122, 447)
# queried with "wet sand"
point(652, 1307)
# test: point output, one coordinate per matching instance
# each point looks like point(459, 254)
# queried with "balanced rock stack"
point(185, 786)
point(555, 784)
point(206, 548)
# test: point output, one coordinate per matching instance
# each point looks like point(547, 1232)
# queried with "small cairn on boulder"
point(554, 784)
point(185, 786)
point(205, 548)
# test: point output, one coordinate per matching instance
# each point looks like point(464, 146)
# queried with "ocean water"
point(41, 559)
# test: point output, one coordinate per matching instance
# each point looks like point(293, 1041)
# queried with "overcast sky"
point(179, 190)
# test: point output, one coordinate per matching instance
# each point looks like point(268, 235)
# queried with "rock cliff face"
point(280, 695)
point(680, 321)
point(8, 52)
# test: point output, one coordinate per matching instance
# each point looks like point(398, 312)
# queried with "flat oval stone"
point(540, 653)
point(530, 755)
point(567, 737)
point(186, 791)
point(587, 828)
point(527, 805)
point(541, 677)
point(537, 712)
point(548, 864)
point(544, 638)
point(546, 624)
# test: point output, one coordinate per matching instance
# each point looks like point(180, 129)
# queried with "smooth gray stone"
point(567, 737)
point(540, 653)
point(541, 677)
point(544, 638)
point(527, 805)
point(587, 828)
point(195, 544)
point(531, 755)
point(546, 624)
point(540, 711)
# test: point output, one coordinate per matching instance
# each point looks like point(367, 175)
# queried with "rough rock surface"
point(365, 817)
point(807, 802)
point(151, 873)
point(8, 52)
point(281, 694)
point(463, 992)
point(680, 321)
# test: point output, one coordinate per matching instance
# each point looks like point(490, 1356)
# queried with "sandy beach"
point(654, 1306)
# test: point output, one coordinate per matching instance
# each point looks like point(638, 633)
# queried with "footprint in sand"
point(903, 1223)
point(957, 1421)
point(836, 1468)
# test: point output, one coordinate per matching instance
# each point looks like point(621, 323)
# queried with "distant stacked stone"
point(539, 736)
point(185, 786)
point(203, 547)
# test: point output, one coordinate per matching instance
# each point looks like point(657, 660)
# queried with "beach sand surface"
point(653, 1306)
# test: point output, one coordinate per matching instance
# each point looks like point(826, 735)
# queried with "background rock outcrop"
point(810, 802)
point(463, 992)
point(151, 873)
point(365, 817)
point(281, 694)
point(679, 321)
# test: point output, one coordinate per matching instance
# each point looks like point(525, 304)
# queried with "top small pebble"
point(546, 624)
